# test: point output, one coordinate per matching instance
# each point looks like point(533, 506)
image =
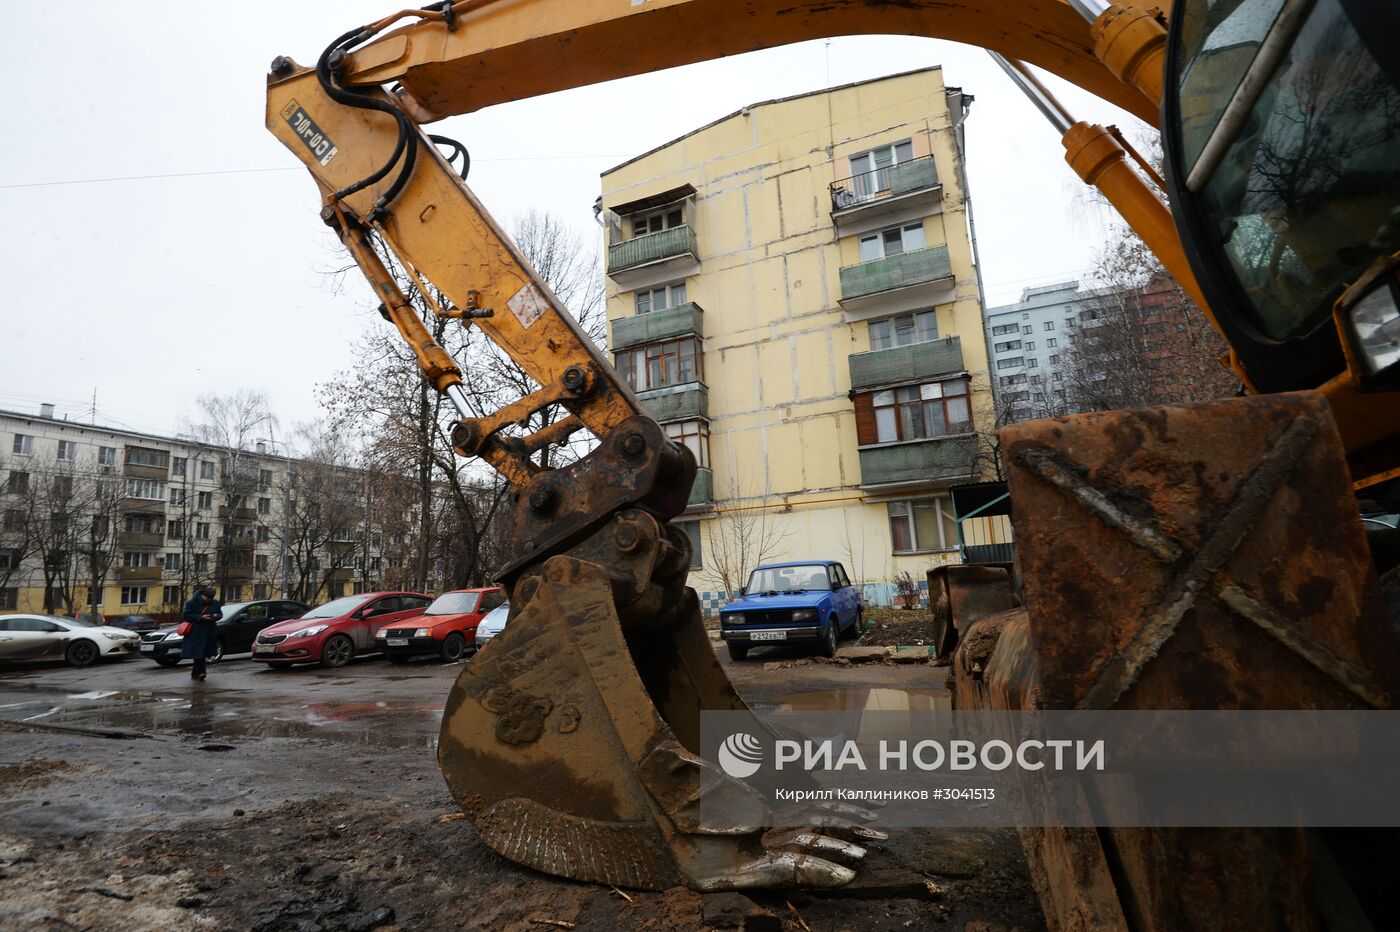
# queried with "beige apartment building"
point(792, 292)
point(150, 517)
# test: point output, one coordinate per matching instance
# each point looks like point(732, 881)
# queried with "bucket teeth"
point(779, 869)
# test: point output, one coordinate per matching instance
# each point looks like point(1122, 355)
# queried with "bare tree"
point(229, 426)
point(1140, 340)
point(746, 535)
point(16, 521)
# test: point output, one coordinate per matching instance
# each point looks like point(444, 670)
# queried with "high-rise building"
point(792, 292)
point(1028, 341)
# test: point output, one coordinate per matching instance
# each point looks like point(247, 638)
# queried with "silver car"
point(48, 637)
point(492, 624)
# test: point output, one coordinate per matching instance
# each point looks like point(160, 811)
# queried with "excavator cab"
point(1283, 167)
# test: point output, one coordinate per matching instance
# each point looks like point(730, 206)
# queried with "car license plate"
point(264, 649)
point(148, 647)
point(767, 635)
point(398, 642)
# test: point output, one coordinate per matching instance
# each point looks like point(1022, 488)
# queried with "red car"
point(447, 628)
point(333, 633)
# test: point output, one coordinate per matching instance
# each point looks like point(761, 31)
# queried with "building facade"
point(95, 517)
point(792, 292)
point(1028, 341)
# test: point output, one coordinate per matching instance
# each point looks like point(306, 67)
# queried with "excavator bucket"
point(571, 743)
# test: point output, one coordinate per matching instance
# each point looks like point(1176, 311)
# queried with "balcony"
point(237, 514)
point(916, 464)
point(916, 362)
point(654, 257)
point(904, 281)
point(681, 320)
point(145, 472)
point(677, 402)
point(140, 539)
point(702, 493)
point(884, 196)
point(139, 573)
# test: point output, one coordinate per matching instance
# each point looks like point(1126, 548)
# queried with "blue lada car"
point(812, 601)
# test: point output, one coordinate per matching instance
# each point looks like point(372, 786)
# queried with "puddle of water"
point(870, 715)
point(219, 716)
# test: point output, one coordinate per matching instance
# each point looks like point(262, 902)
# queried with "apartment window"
point(1011, 363)
point(264, 479)
point(133, 595)
point(264, 506)
point(206, 500)
point(14, 520)
point(136, 559)
point(658, 299)
point(264, 535)
point(1003, 329)
point(903, 330)
point(922, 524)
point(106, 489)
point(1027, 329)
point(17, 483)
point(9, 598)
point(170, 595)
point(1008, 345)
point(232, 593)
point(145, 456)
point(1030, 344)
point(692, 530)
point(1025, 315)
point(142, 524)
point(260, 563)
point(869, 169)
point(175, 530)
point(917, 412)
point(1032, 363)
point(1018, 396)
point(673, 362)
point(1054, 359)
point(1052, 343)
point(892, 242)
point(148, 489)
point(177, 496)
point(642, 224)
point(1057, 377)
point(201, 530)
point(177, 465)
point(67, 451)
point(694, 434)
point(1017, 379)
point(106, 456)
point(1049, 325)
point(260, 591)
point(206, 469)
point(174, 561)
point(24, 445)
point(62, 487)
point(201, 563)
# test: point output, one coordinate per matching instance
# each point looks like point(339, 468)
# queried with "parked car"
point(334, 633)
point(812, 602)
point(42, 637)
point(137, 623)
point(492, 624)
point(447, 628)
point(238, 626)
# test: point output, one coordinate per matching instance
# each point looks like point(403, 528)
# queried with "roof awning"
point(654, 201)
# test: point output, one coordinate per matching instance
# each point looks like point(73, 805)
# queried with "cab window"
point(492, 599)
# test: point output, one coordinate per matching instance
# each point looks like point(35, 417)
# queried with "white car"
point(492, 624)
point(48, 637)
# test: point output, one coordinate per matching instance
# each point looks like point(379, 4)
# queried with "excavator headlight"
point(1375, 322)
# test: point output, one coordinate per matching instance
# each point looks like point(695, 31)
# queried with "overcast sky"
point(159, 243)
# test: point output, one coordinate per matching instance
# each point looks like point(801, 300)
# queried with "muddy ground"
point(131, 798)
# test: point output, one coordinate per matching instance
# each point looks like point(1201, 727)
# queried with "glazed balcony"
point(702, 493)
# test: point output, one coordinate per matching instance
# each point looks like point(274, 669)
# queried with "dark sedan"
point(238, 626)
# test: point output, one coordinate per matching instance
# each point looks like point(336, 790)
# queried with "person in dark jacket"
point(202, 611)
